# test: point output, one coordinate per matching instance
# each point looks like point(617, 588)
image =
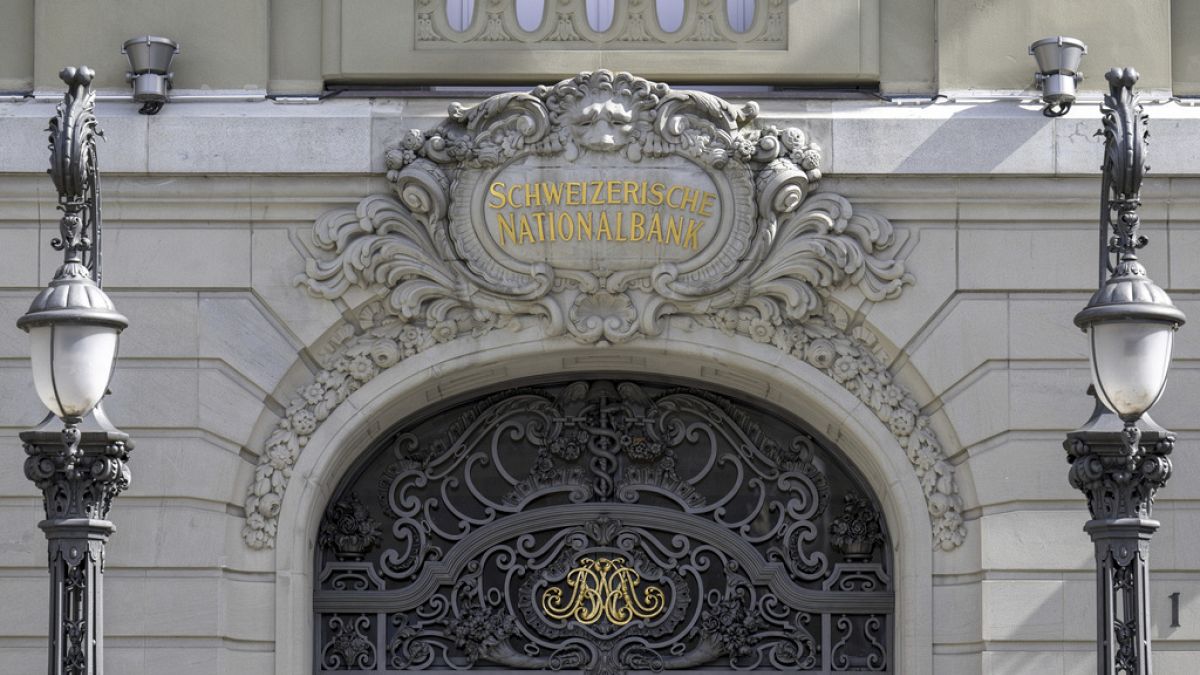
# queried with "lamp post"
point(75, 456)
point(1119, 458)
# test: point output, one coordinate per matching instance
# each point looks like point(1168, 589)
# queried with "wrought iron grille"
point(602, 526)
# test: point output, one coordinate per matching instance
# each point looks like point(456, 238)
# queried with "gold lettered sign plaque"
point(602, 204)
point(604, 183)
point(598, 211)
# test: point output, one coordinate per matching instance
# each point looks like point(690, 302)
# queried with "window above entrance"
point(530, 14)
point(604, 526)
point(480, 41)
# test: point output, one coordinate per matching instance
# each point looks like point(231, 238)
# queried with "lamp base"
point(1120, 471)
point(80, 469)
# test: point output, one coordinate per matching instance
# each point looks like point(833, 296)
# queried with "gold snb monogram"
point(603, 588)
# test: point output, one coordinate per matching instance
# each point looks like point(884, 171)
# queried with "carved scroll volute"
point(682, 110)
point(381, 242)
point(524, 113)
point(791, 169)
point(422, 188)
point(824, 245)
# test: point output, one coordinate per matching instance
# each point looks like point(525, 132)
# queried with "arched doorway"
point(602, 525)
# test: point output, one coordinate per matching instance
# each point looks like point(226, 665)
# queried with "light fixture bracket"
point(150, 73)
point(1125, 292)
point(1058, 75)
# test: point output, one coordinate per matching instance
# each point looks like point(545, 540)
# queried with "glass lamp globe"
point(1130, 323)
point(1129, 361)
point(73, 328)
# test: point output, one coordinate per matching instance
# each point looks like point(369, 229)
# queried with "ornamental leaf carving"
point(787, 247)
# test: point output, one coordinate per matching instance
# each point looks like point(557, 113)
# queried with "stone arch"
point(754, 371)
point(846, 352)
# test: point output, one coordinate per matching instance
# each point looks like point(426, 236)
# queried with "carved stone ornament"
point(605, 208)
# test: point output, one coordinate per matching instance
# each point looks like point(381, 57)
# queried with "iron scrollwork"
point(349, 647)
point(603, 526)
point(73, 168)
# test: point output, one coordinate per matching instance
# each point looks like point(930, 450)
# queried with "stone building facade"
point(841, 250)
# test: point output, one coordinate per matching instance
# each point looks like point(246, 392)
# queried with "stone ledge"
point(347, 136)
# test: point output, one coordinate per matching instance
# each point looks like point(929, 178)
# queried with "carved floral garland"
point(822, 343)
point(434, 287)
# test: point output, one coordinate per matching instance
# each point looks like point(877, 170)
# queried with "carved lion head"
point(604, 111)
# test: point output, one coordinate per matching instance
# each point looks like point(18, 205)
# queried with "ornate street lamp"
point(73, 327)
point(1119, 458)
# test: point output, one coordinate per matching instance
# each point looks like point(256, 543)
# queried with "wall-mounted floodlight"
point(1058, 72)
point(150, 70)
